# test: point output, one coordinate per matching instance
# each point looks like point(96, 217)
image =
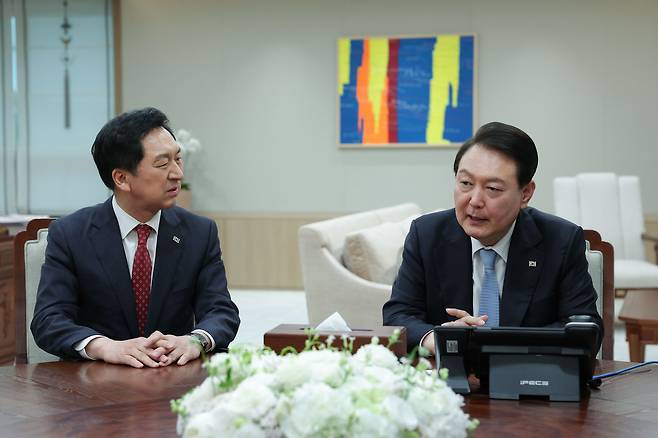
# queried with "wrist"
point(96, 347)
point(428, 343)
point(202, 341)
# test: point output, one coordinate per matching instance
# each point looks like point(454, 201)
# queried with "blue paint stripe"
point(349, 107)
point(459, 120)
point(414, 75)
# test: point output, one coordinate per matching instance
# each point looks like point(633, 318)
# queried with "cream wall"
point(255, 81)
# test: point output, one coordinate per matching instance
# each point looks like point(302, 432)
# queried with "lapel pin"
point(176, 239)
point(532, 263)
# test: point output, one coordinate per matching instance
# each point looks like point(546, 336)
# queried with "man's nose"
point(477, 198)
point(177, 171)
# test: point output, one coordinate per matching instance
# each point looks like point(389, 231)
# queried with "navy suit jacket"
point(85, 287)
point(437, 272)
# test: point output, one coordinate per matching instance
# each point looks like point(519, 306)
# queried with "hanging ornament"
point(66, 40)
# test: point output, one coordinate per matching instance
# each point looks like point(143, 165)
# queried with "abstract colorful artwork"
point(406, 91)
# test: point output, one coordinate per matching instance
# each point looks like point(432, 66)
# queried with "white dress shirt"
point(129, 239)
point(502, 250)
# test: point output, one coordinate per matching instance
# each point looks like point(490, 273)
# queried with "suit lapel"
point(106, 241)
point(524, 264)
point(169, 250)
point(454, 261)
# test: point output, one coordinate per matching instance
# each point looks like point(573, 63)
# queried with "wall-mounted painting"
point(406, 92)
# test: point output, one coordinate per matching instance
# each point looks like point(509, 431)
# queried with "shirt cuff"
point(431, 332)
point(207, 335)
point(80, 346)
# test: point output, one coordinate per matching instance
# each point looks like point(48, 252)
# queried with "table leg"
point(635, 349)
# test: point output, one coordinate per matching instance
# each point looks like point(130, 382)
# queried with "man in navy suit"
point(134, 280)
point(539, 275)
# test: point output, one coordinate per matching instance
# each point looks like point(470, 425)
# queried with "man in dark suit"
point(135, 280)
point(491, 260)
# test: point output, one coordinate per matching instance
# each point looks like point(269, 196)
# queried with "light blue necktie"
point(489, 297)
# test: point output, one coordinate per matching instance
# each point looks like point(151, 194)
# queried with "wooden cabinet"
point(7, 324)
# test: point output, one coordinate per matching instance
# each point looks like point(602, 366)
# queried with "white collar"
point(501, 247)
point(127, 223)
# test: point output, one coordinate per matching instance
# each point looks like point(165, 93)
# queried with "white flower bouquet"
point(320, 392)
point(188, 147)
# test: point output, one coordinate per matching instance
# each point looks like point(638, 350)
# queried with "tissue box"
point(293, 335)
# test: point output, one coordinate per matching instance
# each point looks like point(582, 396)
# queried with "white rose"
point(205, 424)
point(369, 424)
point(199, 399)
point(317, 409)
point(439, 412)
point(183, 136)
point(311, 366)
point(378, 355)
point(223, 420)
point(291, 374)
point(253, 398)
point(383, 377)
point(246, 430)
point(268, 362)
point(365, 395)
point(193, 145)
point(400, 412)
point(230, 368)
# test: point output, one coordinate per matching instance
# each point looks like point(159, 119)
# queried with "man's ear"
point(121, 180)
point(526, 193)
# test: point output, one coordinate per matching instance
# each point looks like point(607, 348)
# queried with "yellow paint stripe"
point(445, 68)
point(343, 63)
point(377, 80)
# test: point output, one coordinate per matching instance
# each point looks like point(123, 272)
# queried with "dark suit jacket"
point(85, 286)
point(437, 272)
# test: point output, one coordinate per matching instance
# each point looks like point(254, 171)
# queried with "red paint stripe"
point(392, 80)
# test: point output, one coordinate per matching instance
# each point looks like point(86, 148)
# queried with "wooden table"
point(640, 314)
point(97, 399)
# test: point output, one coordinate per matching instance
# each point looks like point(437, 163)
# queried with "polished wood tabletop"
point(93, 398)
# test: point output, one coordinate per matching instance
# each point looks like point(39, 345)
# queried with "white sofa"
point(329, 285)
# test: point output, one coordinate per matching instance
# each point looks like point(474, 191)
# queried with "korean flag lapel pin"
point(176, 239)
point(532, 263)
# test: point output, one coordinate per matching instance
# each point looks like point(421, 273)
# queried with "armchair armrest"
point(649, 238)
point(654, 240)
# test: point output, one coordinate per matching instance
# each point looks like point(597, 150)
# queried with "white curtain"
point(47, 166)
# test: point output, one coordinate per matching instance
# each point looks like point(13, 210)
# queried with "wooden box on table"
point(294, 335)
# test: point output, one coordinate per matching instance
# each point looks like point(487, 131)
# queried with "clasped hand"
point(158, 350)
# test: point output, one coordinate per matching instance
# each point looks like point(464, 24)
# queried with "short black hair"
point(509, 141)
point(118, 145)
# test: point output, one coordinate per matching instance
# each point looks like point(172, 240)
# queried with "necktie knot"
point(143, 233)
point(488, 257)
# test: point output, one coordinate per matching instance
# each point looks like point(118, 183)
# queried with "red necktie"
point(142, 276)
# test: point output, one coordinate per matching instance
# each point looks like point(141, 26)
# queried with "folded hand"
point(179, 349)
point(136, 352)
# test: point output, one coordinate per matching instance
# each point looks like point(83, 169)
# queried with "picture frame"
point(405, 92)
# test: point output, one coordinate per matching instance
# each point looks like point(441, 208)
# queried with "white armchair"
point(611, 205)
point(600, 260)
point(30, 253)
point(329, 285)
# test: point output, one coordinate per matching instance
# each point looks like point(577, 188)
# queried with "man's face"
point(487, 194)
point(157, 180)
